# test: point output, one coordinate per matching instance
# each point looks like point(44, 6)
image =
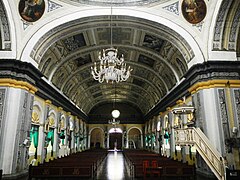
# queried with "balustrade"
point(195, 137)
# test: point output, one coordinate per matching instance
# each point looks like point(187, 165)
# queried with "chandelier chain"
point(111, 68)
point(111, 33)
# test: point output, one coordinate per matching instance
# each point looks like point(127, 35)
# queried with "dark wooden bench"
point(79, 165)
point(63, 172)
point(165, 167)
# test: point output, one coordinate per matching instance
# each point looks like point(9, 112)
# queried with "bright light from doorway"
point(115, 130)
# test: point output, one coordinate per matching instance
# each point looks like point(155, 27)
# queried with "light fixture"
point(111, 68)
point(115, 113)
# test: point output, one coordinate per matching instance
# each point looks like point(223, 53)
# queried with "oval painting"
point(31, 10)
point(194, 11)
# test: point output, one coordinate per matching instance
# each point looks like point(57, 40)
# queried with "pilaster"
point(17, 124)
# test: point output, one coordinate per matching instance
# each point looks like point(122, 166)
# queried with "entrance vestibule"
point(115, 139)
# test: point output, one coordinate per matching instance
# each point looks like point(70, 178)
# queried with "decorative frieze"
point(53, 6)
point(219, 26)
point(198, 112)
point(233, 32)
point(237, 104)
point(220, 19)
point(223, 113)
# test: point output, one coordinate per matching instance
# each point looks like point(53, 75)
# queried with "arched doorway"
point(134, 138)
point(97, 138)
point(115, 138)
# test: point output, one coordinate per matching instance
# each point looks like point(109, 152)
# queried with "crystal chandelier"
point(111, 68)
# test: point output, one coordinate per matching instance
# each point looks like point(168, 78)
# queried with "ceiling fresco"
point(157, 55)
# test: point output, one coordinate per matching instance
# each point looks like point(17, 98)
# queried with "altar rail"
point(194, 136)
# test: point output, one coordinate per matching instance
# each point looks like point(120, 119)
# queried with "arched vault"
point(158, 55)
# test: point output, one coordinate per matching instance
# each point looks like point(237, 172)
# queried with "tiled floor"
point(113, 168)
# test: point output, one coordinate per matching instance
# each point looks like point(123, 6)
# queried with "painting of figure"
point(194, 11)
point(31, 10)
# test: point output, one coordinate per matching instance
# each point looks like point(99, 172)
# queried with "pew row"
point(80, 165)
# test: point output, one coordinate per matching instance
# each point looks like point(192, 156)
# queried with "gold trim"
point(48, 102)
point(59, 109)
point(214, 84)
point(18, 84)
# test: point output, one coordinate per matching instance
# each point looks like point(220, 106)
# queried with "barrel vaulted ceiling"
point(157, 55)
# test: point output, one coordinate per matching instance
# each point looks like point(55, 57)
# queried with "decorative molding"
point(220, 20)
point(232, 44)
point(218, 31)
point(199, 113)
point(18, 84)
point(213, 84)
point(224, 116)
point(234, 26)
point(53, 6)
point(173, 8)
point(199, 26)
point(118, 2)
point(35, 118)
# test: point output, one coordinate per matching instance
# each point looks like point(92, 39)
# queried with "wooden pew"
point(166, 167)
point(79, 165)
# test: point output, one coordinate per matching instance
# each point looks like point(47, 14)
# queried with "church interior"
point(151, 84)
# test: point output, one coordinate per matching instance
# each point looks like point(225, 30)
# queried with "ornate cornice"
point(15, 69)
point(7, 82)
point(214, 84)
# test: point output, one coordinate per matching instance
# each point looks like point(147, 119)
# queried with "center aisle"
point(113, 167)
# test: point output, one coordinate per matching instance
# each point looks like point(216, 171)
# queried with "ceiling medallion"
point(111, 68)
